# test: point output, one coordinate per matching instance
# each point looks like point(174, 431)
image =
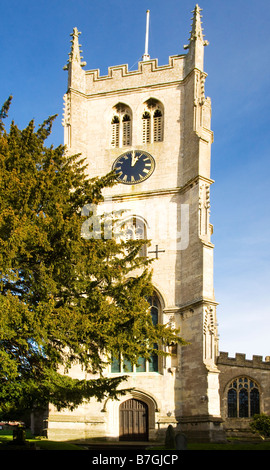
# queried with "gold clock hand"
point(134, 158)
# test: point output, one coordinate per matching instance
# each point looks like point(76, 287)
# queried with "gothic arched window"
point(126, 130)
point(115, 131)
point(155, 309)
point(243, 398)
point(134, 228)
point(143, 365)
point(146, 119)
point(152, 121)
point(121, 126)
point(158, 126)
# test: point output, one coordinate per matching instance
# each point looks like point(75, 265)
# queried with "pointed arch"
point(120, 365)
point(121, 126)
point(112, 407)
point(134, 228)
point(243, 397)
point(152, 121)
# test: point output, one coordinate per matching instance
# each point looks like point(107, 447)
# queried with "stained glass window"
point(119, 365)
point(243, 398)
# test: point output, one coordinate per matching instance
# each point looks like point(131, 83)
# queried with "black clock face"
point(133, 167)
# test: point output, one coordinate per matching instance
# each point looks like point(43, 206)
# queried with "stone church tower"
point(153, 126)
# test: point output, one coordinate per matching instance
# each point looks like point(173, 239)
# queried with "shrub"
point(261, 425)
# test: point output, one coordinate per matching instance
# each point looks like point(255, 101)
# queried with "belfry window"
point(115, 131)
point(126, 130)
point(135, 229)
point(243, 398)
point(146, 119)
point(158, 131)
point(152, 121)
point(122, 365)
point(121, 124)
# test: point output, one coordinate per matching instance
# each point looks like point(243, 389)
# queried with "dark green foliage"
point(261, 424)
point(63, 299)
point(4, 112)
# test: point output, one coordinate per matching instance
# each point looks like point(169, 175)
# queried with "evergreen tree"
point(64, 299)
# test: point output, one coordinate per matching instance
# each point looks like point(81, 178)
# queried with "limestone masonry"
point(157, 119)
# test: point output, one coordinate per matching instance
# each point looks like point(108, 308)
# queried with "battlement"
point(149, 73)
point(240, 361)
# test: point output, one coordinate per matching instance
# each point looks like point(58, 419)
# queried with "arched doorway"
point(133, 420)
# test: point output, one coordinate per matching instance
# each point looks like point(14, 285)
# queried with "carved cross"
point(157, 251)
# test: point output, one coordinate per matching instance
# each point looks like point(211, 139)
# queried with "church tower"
point(152, 126)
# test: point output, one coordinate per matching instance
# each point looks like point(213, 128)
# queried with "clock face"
point(133, 167)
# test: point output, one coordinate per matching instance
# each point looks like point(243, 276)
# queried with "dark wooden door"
point(133, 421)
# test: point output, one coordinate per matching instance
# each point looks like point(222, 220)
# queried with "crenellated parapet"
point(240, 360)
point(149, 73)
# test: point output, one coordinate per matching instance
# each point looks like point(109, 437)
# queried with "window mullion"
point(248, 400)
point(237, 401)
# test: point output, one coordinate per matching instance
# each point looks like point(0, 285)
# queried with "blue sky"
point(34, 46)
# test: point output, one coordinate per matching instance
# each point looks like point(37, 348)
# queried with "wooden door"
point(133, 421)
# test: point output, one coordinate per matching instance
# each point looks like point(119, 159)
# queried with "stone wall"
point(239, 366)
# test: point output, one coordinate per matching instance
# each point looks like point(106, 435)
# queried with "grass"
point(32, 442)
point(235, 445)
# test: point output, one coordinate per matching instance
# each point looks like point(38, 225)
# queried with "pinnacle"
point(75, 54)
point(196, 33)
